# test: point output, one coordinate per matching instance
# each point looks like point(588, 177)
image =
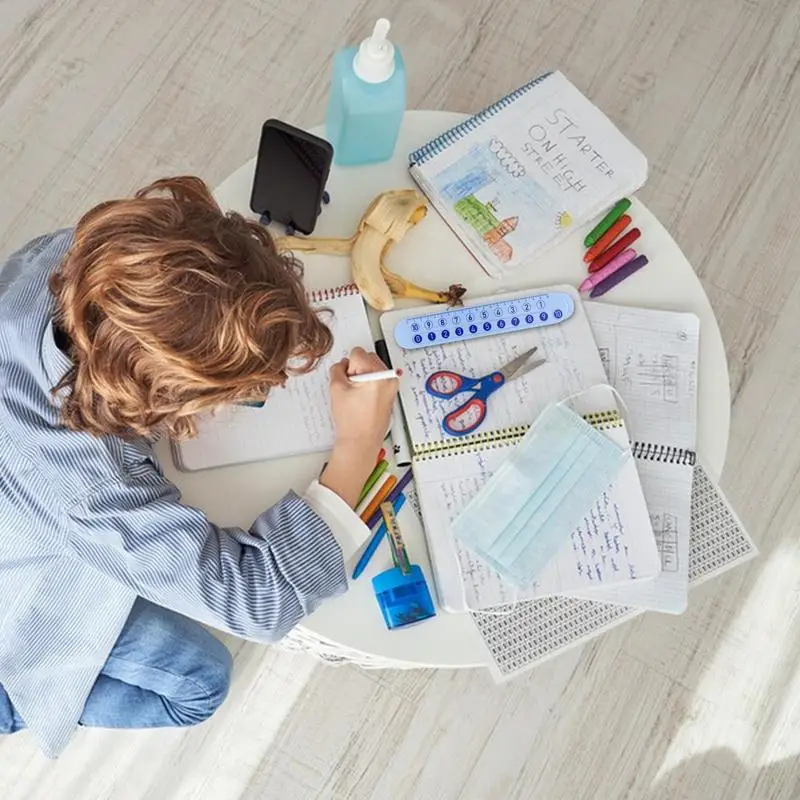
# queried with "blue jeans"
point(164, 671)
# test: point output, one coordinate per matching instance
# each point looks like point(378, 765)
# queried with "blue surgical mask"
point(538, 497)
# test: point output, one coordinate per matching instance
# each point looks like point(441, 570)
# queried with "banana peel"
point(385, 222)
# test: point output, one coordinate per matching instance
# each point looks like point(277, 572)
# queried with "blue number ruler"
point(489, 319)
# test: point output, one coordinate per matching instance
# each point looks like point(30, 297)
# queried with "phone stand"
point(265, 218)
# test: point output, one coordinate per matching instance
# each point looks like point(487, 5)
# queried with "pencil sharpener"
point(403, 598)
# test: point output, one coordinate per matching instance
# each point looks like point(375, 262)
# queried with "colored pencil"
point(380, 468)
point(383, 494)
point(376, 539)
point(393, 495)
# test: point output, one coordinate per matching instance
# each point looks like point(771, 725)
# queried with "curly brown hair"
point(173, 308)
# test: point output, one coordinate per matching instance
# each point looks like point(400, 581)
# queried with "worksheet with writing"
point(616, 542)
point(572, 365)
point(651, 358)
point(296, 418)
point(607, 548)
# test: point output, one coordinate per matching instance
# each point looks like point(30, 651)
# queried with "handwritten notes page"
point(572, 366)
point(651, 358)
point(295, 419)
point(607, 549)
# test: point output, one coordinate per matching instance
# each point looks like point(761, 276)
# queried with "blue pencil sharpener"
point(404, 598)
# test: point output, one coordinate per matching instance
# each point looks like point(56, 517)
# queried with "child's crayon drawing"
point(502, 203)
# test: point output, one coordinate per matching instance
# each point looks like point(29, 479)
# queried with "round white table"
point(432, 256)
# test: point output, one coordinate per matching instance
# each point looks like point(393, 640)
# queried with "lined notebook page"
point(296, 418)
point(607, 548)
point(572, 365)
point(651, 358)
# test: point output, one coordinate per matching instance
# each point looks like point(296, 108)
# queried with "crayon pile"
point(610, 256)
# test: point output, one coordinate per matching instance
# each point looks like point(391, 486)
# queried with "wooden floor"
point(98, 97)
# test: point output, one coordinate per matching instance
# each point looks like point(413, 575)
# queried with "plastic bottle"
point(367, 100)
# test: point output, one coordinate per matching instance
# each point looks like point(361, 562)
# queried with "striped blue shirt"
point(87, 524)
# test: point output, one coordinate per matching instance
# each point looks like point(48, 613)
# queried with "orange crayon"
point(607, 238)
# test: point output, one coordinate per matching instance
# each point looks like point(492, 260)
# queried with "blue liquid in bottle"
point(367, 100)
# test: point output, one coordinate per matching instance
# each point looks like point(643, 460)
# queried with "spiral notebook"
point(536, 631)
point(296, 418)
point(651, 357)
point(526, 171)
point(614, 546)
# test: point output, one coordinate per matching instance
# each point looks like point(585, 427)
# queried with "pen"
point(402, 452)
point(618, 276)
point(368, 377)
point(375, 541)
point(595, 278)
point(607, 238)
point(608, 220)
point(623, 243)
point(393, 495)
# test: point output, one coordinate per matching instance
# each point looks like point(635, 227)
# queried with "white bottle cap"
point(374, 61)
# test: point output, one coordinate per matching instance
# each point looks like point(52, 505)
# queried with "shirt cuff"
point(346, 526)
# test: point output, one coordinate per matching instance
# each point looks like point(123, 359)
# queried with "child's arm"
point(257, 584)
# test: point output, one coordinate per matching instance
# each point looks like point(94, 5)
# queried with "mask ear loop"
point(509, 608)
point(623, 412)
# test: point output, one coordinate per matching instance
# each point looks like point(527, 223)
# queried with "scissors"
point(470, 414)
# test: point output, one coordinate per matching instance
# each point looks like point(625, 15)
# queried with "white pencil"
point(368, 377)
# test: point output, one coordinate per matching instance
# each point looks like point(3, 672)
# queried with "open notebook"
point(616, 544)
point(651, 358)
point(526, 171)
point(296, 418)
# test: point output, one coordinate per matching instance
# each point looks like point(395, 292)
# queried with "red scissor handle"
point(445, 383)
point(465, 418)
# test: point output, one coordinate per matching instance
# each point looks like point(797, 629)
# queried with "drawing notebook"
point(526, 171)
point(614, 546)
point(651, 358)
point(296, 418)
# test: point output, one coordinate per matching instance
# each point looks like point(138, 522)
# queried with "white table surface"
point(432, 256)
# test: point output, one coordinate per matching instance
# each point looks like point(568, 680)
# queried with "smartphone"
point(291, 172)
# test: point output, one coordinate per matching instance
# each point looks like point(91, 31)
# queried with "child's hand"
point(361, 414)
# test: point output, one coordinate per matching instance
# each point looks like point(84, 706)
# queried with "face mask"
point(538, 497)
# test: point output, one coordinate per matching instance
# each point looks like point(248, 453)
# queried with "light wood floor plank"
point(98, 98)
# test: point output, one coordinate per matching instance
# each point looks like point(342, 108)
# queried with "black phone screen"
point(291, 172)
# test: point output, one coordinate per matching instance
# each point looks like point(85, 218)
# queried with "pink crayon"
point(597, 277)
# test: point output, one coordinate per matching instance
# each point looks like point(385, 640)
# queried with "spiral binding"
point(663, 453)
point(326, 295)
point(449, 137)
point(474, 443)
point(490, 440)
point(604, 420)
